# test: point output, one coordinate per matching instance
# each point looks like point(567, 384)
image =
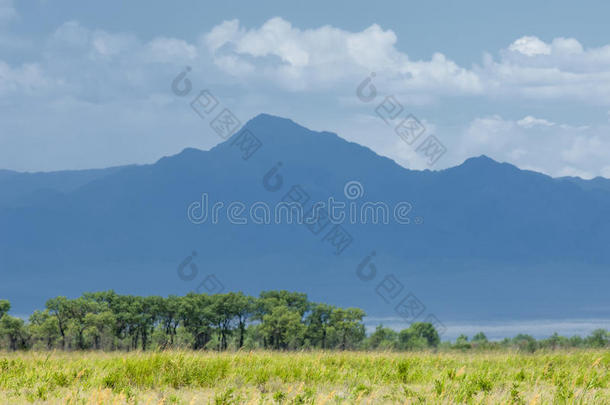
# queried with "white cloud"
point(530, 46)
point(27, 78)
point(529, 122)
point(170, 50)
point(326, 56)
point(101, 74)
point(73, 40)
point(533, 69)
point(90, 99)
point(566, 46)
point(283, 57)
point(109, 45)
point(71, 35)
point(537, 144)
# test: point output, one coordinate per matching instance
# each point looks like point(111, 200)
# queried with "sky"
point(89, 85)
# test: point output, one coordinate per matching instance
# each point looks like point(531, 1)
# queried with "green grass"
point(579, 376)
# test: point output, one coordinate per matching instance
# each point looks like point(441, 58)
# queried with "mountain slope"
point(23, 188)
point(485, 239)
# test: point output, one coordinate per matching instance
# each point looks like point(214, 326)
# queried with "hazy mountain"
point(486, 240)
point(597, 183)
point(26, 188)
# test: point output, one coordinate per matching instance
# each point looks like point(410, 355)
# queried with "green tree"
point(99, 327)
point(282, 328)
point(462, 342)
point(147, 317)
point(292, 300)
point(58, 307)
point(222, 310)
point(598, 338)
point(407, 340)
point(419, 335)
point(554, 341)
point(348, 326)
point(169, 317)
point(5, 306)
point(576, 341)
point(525, 342)
point(242, 308)
point(318, 322)
point(383, 338)
point(78, 312)
point(13, 329)
point(44, 328)
point(126, 309)
point(427, 331)
point(196, 316)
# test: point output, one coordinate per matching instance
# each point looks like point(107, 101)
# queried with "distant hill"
point(597, 183)
point(24, 188)
point(486, 240)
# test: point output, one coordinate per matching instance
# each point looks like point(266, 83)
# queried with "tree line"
point(275, 320)
point(388, 339)
point(278, 320)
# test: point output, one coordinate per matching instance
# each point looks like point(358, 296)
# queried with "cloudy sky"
point(86, 85)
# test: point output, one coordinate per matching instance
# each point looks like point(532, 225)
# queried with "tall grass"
point(579, 376)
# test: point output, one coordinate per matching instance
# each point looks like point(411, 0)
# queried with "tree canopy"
point(275, 320)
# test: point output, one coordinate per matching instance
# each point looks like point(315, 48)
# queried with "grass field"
point(580, 376)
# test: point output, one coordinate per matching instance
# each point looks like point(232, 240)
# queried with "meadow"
point(577, 376)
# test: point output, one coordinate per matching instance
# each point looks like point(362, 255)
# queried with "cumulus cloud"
point(91, 97)
point(95, 65)
point(327, 56)
point(532, 69)
point(25, 79)
point(170, 50)
point(530, 46)
point(324, 57)
point(537, 144)
point(87, 74)
point(530, 122)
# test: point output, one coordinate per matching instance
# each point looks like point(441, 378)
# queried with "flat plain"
point(263, 377)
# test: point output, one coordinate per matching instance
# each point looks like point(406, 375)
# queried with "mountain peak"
point(274, 130)
point(485, 163)
point(267, 117)
point(480, 161)
point(488, 224)
point(272, 123)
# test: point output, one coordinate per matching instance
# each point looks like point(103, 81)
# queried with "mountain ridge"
point(482, 230)
point(263, 118)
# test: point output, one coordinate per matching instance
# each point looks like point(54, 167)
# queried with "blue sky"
point(88, 85)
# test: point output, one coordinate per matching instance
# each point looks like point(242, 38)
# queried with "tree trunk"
point(241, 334)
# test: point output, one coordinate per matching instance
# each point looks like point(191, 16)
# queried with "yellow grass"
point(182, 377)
